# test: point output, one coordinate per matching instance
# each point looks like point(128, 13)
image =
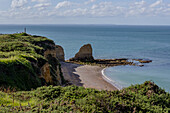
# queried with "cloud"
point(99, 9)
point(42, 6)
point(75, 12)
point(156, 3)
point(89, 1)
point(39, 0)
point(63, 4)
point(135, 9)
point(18, 3)
point(140, 3)
point(94, 6)
point(108, 9)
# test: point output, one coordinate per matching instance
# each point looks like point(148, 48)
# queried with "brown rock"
point(51, 52)
point(84, 54)
point(143, 61)
point(45, 73)
point(51, 71)
point(60, 53)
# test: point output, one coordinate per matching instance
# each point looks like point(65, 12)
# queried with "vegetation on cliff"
point(21, 61)
point(28, 62)
point(146, 97)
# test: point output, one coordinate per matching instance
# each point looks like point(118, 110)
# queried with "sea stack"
point(84, 54)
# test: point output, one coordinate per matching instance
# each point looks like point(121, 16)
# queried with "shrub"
point(80, 99)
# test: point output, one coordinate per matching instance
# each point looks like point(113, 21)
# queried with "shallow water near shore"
point(124, 76)
point(113, 41)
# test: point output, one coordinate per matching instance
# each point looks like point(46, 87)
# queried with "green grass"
point(21, 59)
point(146, 97)
point(10, 99)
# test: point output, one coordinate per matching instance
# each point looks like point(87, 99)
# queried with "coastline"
point(86, 76)
point(110, 80)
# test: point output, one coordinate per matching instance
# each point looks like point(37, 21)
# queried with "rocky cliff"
point(28, 62)
point(51, 70)
point(60, 53)
point(85, 54)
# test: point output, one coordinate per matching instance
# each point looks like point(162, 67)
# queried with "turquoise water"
point(113, 41)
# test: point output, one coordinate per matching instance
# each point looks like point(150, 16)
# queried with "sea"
point(114, 41)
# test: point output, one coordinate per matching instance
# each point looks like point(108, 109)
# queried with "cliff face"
point(51, 71)
point(84, 54)
point(28, 62)
point(60, 53)
point(45, 73)
point(57, 51)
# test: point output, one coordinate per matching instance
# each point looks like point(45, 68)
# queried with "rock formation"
point(57, 52)
point(51, 71)
point(60, 53)
point(45, 73)
point(84, 54)
point(28, 61)
point(52, 52)
point(54, 55)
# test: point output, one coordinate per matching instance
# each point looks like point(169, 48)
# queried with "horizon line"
point(99, 24)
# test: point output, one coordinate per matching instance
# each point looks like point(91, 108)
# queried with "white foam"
point(135, 62)
point(110, 80)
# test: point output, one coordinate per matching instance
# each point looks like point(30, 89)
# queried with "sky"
point(119, 12)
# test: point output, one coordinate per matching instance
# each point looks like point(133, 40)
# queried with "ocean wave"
point(112, 82)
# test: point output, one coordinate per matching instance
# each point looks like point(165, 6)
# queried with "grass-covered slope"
point(21, 60)
point(146, 97)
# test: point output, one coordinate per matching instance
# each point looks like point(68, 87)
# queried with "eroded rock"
point(84, 54)
point(51, 71)
point(51, 52)
point(60, 53)
point(45, 73)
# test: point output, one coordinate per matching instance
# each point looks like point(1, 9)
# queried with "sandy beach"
point(86, 76)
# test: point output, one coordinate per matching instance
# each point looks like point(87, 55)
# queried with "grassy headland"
point(22, 60)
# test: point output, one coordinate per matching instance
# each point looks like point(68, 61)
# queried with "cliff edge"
point(60, 53)
point(28, 62)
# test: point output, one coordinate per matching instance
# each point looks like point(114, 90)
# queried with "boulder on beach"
point(84, 54)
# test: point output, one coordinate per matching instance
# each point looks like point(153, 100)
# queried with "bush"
point(79, 99)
